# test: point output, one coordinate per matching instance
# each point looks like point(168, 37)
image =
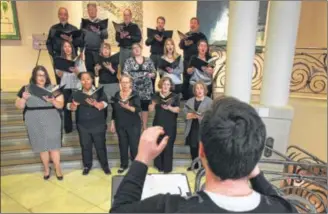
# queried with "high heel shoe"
point(59, 178)
point(46, 177)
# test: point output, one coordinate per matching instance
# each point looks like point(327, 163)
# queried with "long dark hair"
point(35, 73)
point(207, 54)
point(62, 53)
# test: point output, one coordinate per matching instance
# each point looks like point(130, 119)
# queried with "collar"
point(130, 23)
point(93, 20)
point(93, 88)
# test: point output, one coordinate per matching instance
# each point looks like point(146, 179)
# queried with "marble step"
point(21, 133)
point(75, 165)
point(23, 144)
point(28, 156)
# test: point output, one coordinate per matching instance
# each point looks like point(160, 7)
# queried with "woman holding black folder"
point(166, 105)
point(70, 80)
point(91, 123)
point(126, 120)
point(205, 72)
point(106, 69)
point(142, 71)
point(194, 110)
point(42, 121)
point(174, 72)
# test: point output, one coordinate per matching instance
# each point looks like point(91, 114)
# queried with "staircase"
point(17, 155)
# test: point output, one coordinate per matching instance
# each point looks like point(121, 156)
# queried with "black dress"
point(128, 127)
point(167, 120)
point(193, 137)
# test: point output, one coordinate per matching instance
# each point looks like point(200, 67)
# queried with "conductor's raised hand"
point(149, 149)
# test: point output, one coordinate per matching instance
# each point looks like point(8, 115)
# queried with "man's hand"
point(149, 149)
point(67, 38)
point(188, 42)
point(158, 38)
point(94, 29)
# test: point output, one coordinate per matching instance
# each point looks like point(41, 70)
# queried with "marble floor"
point(29, 193)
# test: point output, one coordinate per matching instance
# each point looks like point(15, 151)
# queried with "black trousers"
point(164, 161)
point(91, 58)
point(177, 89)
point(186, 79)
point(128, 137)
point(155, 58)
point(53, 65)
point(68, 123)
point(96, 136)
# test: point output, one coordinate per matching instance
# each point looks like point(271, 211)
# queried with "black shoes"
point(107, 171)
point(46, 177)
point(86, 170)
point(121, 170)
point(59, 178)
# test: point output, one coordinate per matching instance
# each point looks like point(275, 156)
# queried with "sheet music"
point(165, 183)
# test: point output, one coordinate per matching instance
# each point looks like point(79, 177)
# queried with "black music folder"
point(163, 64)
point(118, 27)
point(74, 33)
point(114, 59)
point(124, 101)
point(193, 110)
point(81, 97)
point(64, 64)
point(198, 63)
point(195, 37)
point(152, 32)
point(41, 92)
point(101, 25)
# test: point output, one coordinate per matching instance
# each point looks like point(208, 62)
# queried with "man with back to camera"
point(232, 141)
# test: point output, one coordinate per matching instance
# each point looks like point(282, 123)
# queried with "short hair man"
point(232, 141)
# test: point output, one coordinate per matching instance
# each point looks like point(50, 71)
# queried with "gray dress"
point(43, 125)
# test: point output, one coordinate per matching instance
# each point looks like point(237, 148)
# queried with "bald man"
point(54, 42)
point(129, 35)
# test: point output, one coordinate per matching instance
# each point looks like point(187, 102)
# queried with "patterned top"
point(142, 84)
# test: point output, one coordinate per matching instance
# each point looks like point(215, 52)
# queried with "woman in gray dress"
point(42, 121)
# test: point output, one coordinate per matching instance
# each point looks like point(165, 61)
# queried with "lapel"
point(202, 105)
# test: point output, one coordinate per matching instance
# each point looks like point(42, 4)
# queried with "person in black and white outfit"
point(91, 124)
point(142, 70)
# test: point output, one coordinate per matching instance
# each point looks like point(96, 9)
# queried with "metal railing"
point(302, 179)
point(309, 73)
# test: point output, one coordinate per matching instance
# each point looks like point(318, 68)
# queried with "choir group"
point(125, 93)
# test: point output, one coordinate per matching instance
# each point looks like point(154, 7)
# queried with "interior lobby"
point(290, 95)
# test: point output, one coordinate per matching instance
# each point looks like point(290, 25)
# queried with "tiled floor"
point(29, 193)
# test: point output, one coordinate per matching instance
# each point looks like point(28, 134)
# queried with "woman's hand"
point(112, 127)
point(190, 70)
point(191, 116)
point(26, 95)
point(49, 99)
point(109, 67)
point(59, 73)
point(97, 68)
point(170, 70)
point(166, 107)
point(94, 103)
point(74, 105)
point(151, 75)
point(208, 69)
point(75, 70)
point(125, 105)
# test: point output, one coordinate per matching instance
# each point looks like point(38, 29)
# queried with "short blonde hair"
point(201, 83)
point(104, 45)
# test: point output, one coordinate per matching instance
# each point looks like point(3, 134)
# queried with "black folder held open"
point(101, 25)
point(74, 33)
point(152, 32)
point(163, 64)
point(114, 59)
point(193, 110)
point(198, 63)
point(41, 92)
point(118, 27)
point(80, 97)
point(64, 64)
point(124, 101)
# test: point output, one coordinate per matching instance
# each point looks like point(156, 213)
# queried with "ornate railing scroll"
point(302, 179)
point(309, 74)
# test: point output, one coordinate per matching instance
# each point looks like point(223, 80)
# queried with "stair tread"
point(77, 157)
